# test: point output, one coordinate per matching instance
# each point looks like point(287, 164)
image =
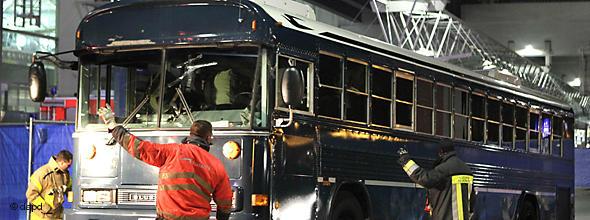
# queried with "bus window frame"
point(371, 95)
point(449, 112)
point(408, 75)
point(471, 117)
point(309, 84)
point(560, 135)
point(498, 123)
point(538, 112)
point(431, 108)
point(525, 128)
point(455, 113)
point(346, 91)
point(550, 115)
point(340, 88)
point(505, 101)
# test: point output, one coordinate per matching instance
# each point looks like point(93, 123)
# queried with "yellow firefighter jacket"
point(46, 191)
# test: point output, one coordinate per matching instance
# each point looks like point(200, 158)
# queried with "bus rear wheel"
point(346, 207)
point(527, 211)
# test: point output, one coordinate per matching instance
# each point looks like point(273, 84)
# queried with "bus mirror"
point(292, 86)
point(37, 82)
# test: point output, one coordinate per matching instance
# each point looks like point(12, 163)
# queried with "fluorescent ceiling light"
point(575, 83)
point(530, 51)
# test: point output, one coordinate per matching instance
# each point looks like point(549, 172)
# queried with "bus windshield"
point(207, 84)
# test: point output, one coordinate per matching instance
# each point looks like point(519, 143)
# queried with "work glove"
point(108, 116)
point(404, 156)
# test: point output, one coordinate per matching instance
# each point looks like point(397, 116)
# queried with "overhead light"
point(575, 83)
point(530, 51)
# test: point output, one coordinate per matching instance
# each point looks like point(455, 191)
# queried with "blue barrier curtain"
point(582, 159)
point(48, 140)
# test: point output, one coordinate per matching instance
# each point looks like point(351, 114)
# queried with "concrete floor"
point(583, 204)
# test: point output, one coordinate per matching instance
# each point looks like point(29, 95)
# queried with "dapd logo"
point(25, 206)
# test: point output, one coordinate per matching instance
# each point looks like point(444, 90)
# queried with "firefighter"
point(48, 185)
point(450, 184)
point(189, 176)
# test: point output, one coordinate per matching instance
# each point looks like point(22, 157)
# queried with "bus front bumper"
point(104, 214)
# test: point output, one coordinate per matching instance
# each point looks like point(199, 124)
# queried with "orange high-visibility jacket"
point(189, 177)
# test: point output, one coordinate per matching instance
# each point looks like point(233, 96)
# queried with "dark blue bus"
point(307, 116)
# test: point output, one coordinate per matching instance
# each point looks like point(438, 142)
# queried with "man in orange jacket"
point(189, 176)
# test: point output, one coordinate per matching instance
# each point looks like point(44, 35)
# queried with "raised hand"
point(108, 116)
point(404, 156)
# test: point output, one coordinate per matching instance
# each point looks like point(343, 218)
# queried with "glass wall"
point(27, 26)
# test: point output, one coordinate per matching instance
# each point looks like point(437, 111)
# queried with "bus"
point(307, 117)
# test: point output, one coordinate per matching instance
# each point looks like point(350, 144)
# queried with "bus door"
point(294, 180)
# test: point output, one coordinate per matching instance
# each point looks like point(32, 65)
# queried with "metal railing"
point(443, 36)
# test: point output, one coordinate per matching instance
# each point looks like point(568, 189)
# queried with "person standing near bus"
point(48, 185)
point(449, 184)
point(189, 176)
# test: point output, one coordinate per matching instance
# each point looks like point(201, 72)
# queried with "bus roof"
point(350, 39)
point(359, 41)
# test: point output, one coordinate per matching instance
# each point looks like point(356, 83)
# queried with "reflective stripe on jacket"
point(46, 191)
point(449, 184)
point(189, 177)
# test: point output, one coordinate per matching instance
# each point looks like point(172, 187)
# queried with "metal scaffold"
point(425, 28)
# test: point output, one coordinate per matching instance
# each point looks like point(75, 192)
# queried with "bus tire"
point(527, 211)
point(346, 207)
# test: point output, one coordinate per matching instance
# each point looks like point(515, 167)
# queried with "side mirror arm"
point(40, 55)
point(280, 122)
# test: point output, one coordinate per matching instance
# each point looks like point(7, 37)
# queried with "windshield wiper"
point(128, 118)
point(190, 69)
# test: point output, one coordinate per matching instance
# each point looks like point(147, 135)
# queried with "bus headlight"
point(91, 152)
point(231, 150)
point(98, 196)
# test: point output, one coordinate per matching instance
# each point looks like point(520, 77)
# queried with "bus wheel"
point(527, 211)
point(346, 208)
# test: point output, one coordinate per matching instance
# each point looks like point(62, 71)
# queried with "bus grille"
point(136, 197)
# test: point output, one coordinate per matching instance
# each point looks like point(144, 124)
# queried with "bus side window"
point(521, 116)
point(461, 110)
point(557, 133)
point(443, 100)
point(507, 125)
point(330, 83)
point(478, 117)
point(381, 79)
point(534, 131)
point(355, 97)
point(546, 125)
point(424, 105)
point(404, 100)
point(306, 70)
point(493, 121)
